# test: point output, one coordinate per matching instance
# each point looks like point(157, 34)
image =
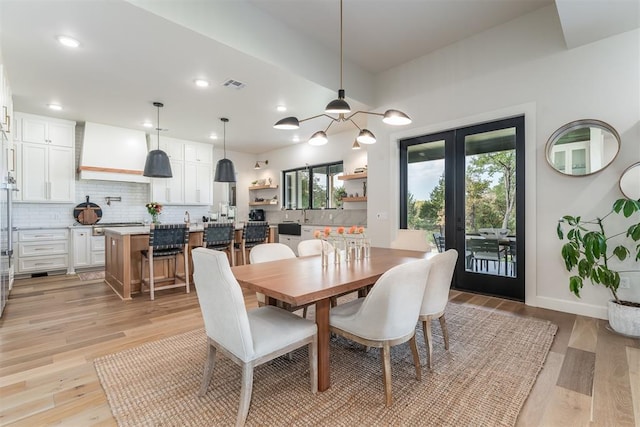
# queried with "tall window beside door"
point(313, 187)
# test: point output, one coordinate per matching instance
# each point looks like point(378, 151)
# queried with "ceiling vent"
point(234, 84)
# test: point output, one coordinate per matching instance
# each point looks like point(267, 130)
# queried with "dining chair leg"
point(245, 394)
point(416, 357)
point(445, 332)
point(313, 365)
point(209, 365)
point(426, 329)
point(186, 268)
point(386, 373)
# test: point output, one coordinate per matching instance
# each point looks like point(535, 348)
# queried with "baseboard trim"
point(573, 307)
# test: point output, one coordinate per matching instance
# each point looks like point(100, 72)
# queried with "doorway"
point(465, 187)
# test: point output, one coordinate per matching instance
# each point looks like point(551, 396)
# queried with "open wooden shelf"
point(266, 202)
point(353, 176)
point(263, 187)
point(355, 199)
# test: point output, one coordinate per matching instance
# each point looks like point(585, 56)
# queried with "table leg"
point(322, 321)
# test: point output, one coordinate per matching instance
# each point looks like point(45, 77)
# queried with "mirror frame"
point(577, 124)
point(628, 170)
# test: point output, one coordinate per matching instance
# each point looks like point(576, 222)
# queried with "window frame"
point(309, 169)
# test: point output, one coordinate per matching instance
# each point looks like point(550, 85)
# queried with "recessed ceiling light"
point(296, 138)
point(55, 107)
point(213, 136)
point(201, 82)
point(147, 124)
point(281, 108)
point(68, 41)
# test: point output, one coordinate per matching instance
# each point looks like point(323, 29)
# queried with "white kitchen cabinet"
point(45, 159)
point(42, 250)
point(192, 169)
point(198, 179)
point(81, 247)
point(168, 191)
point(46, 173)
point(198, 152)
point(97, 250)
point(44, 130)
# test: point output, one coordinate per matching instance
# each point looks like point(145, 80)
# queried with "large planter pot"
point(624, 319)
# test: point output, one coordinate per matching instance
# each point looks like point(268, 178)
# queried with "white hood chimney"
point(113, 154)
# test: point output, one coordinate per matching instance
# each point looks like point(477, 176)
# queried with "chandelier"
point(340, 107)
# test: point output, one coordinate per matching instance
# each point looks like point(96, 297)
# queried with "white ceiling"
point(286, 52)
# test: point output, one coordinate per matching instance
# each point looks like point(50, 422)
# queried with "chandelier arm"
point(319, 115)
point(355, 124)
point(364, 112)
point(330, 123)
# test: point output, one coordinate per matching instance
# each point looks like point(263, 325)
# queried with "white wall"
point(520, 67)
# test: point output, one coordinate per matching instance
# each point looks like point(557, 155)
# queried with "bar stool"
point(220, 237)
point(253, 233)
point(166, 241)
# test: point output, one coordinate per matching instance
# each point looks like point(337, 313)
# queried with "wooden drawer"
point(38, 249)
point(45, 263)
point(39, 235)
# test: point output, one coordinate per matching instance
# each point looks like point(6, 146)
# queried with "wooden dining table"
point(304, 280)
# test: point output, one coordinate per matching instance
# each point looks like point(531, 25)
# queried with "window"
point(312, 187)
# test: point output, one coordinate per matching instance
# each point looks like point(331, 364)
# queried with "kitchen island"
point(123, 246)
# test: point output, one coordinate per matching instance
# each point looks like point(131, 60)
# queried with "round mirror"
point(630, 182)
point(582, 147)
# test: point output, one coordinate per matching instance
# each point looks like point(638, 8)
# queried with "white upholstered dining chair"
point(267, 252)
point(413, 240)
point(248, 338)
point(313, 247)
point(436, 296)
point(387, 316)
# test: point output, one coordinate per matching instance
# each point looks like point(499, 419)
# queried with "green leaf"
point(634, 232)
point(575, 284)
point(559, 231)
point(570, 255)
point(618, 205)
point(621, 252)
point(570, 220)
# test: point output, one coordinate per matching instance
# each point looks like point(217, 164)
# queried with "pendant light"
point(340, 107)
point(157, 164)
point(225, 171)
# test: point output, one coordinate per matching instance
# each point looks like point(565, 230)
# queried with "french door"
point(466, 187)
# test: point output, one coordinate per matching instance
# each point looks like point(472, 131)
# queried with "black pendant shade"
point(157, 164)
point(225, 172)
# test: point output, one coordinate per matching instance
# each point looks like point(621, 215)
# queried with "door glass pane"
point(490, 202)
point(425, 187)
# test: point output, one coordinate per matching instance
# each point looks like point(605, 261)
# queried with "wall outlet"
point(625, 283)
point(286, 216)
point(330, 216)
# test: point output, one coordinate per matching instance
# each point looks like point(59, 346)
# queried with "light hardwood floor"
point(53, 328)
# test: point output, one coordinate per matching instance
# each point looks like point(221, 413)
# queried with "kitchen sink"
point(290, 228)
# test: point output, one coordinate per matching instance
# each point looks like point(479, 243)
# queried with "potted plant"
point(338, 194)
point(589, 250)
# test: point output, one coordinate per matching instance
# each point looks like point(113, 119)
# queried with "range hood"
point(113, 154)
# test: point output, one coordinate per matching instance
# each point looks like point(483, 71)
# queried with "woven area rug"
point(483, 380)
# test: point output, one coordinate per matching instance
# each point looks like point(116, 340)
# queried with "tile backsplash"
point(130, 209)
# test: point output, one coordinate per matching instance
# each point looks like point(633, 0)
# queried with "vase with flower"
point(154, 210)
